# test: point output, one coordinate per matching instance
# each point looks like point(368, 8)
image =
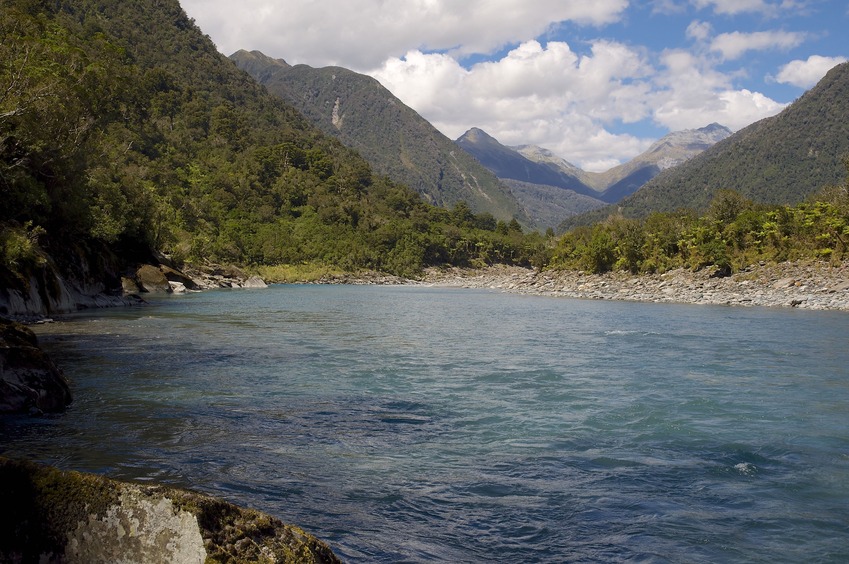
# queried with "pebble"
point(804, 285)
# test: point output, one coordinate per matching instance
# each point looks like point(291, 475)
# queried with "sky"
point(596, 82)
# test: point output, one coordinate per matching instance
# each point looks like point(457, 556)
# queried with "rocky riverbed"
point(811, 285)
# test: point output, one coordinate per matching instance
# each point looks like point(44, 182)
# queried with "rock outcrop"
point(59, 516)
point(29, 380)
point(255, 282)
point(211, 276)
point(52, 290)
point(178, 278)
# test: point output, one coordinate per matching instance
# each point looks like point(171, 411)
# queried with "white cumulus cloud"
point(574, 79)
point(360, 35)
point(692, 94)
point(807, 73)
point(733, 45)
point(700, 31)
point(543, 95)
point(732, 7)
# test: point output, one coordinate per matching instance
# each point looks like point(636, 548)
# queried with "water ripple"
point(410, 424)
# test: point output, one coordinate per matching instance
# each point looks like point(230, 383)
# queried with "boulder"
point(60, 516)
point(229, 271)
point(29, 380)
point(178, 288)
point(151, 279)
point(254, 282)
point(840, 287)
point(174, 275)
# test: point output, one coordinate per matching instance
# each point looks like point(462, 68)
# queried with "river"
point(433, 424)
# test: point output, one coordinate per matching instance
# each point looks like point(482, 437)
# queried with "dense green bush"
point(733, 233)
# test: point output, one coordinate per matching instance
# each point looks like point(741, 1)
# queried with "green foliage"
point(733, 233)
point(19, 248)
point(120, 122)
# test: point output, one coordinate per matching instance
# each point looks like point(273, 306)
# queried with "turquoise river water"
point(414, 424)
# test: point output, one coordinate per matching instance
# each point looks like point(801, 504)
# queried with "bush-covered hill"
point(778, 160)
point(392, 137)
point(120, 123)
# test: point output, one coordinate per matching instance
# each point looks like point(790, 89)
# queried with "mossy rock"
point(61, 516)
point(151, 279)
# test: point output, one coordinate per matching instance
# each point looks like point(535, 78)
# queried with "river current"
point(412, 424)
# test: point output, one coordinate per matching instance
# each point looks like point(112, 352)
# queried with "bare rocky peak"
point(543, 155)
point(679, 146)
point(668, 151)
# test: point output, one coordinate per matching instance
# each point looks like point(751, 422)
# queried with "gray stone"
point(138, 528)
point(784, 283)
point(178, 288)
point(129, 286)
point(174, 275)
point(254, 282)
point(761, 285)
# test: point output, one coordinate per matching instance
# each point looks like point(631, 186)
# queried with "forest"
point(121, 124)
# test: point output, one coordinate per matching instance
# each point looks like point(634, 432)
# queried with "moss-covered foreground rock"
point(29, 380)
point(51, 515)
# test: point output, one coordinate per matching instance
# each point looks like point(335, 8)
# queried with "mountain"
point(547, 205)
point(619, 182)
point(508, 163)
point(779, 160)
point(535, 174)
point(393, 138)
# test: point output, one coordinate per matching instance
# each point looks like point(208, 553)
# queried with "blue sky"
point(596, 82)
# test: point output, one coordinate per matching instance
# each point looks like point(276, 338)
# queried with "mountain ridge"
point(506, 162)
point(393, 138)
point(532, 171)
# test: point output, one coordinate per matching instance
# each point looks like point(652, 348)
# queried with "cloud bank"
point(563, 74)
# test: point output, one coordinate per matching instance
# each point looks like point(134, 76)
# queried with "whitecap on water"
point(746, 468)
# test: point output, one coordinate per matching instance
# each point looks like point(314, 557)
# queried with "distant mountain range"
point(392, 137)
point(508, 163)
point(535, 174)
point(778, 160)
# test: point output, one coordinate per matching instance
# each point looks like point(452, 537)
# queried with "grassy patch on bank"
point(291, 273)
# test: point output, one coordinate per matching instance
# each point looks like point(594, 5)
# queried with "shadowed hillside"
point(393, 138)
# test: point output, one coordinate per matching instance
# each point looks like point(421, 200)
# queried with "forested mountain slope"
point(393, 138)
point(121, 124)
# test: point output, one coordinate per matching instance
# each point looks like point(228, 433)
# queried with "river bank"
point(809, 285)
